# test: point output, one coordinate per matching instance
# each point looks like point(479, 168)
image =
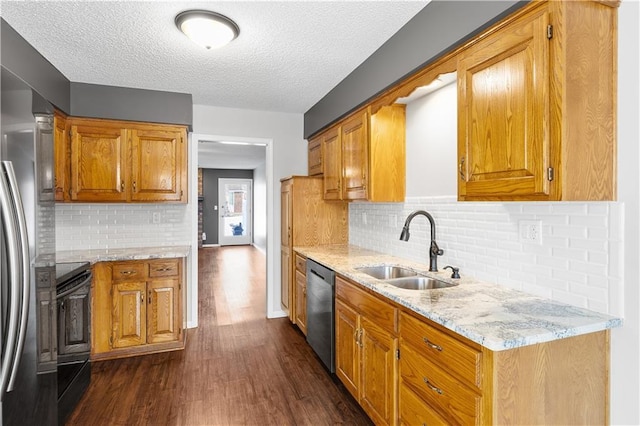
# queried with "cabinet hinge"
point(549, 31)
point(397, 353)
point(550, 174)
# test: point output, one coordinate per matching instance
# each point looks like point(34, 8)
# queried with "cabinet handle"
point(142, 297)
point(433, 388)
point(149, 298)
point(460, 166)
point(127, 272)
point(122, 186)
point(163, 269)
point(432, 345)
point(360, 337)
point(134, 186)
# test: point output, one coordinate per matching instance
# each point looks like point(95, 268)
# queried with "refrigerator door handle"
point(12, 235)
point(24, 265)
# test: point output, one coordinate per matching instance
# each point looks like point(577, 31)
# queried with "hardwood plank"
point(237, 368)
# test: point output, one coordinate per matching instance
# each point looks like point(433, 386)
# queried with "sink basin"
point(387, 272)
point(419, 283)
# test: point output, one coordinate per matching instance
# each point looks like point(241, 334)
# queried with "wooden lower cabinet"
point(301, 302)
point(405, 369)
point(137, 307)
point(366, 353)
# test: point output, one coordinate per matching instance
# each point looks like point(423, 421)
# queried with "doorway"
point(235, 198)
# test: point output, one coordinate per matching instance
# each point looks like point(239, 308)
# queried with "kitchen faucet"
point(434, 250)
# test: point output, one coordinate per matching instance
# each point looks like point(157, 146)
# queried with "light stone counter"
point(117, 254)
point(492, 315)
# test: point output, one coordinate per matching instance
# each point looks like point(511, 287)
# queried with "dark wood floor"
point(238, 367)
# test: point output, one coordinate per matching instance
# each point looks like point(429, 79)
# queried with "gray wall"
point(90, 100)
point(210, 192)
point(120, 103)
point(421, 41)
point(24, 61)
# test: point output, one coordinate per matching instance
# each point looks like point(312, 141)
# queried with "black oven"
point(73, 287)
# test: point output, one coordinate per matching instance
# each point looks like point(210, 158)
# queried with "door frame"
point(248, 238)
point(271, 255)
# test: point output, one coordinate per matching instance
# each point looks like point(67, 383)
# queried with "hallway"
point(238, 368)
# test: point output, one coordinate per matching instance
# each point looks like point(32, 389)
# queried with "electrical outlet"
point(156, 217)
point(530, 231)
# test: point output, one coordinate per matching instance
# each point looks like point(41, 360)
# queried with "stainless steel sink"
point(419, 283)
point(387, 272)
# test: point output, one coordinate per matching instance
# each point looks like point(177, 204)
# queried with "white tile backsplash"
point(104, 226)
point(578, 261)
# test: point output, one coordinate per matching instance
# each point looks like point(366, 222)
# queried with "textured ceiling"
point(287, 57)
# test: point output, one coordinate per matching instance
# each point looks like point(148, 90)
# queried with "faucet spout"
point(434, 250)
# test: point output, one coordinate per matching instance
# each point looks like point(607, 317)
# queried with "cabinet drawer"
point(380, 313)
point(414, 411)
point(164, 268)
point(443, 392)
point(451, 354)
point(128, 271)
point(301, 264)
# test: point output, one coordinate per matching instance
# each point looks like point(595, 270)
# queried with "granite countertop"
point(116, 254)
point(492, 315)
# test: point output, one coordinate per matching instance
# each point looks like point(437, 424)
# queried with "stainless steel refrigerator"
point(28, 380)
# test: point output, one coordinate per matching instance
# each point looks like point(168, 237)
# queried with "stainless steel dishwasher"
point(320, 312)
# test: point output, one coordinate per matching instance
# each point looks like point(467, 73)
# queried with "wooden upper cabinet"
point(355, 160)
point(536, 117)
point(61, 156)
point(503, 112)
point(115, 161)
point(332, 164)
point(315, 156)
point(158, 168)
point(98, 162)
point(365, 156)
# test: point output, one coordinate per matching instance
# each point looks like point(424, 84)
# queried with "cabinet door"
point(355, 159)
point(301, 302)
point(162, 311)
point(315, 156)
point(286, 213)
point(61, 153)
point(332, 164)
point(347, 347)
point(159, 163)
point(285, 272)
point(378, 373)
point(46, 332)
point(98, 163)
point(129, 317)
point(503, 114)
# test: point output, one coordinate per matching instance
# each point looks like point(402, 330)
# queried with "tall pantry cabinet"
point(307, 220)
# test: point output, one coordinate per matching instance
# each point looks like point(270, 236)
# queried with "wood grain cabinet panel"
point(163, 301)
point(137, 307)
point(114, 161)
point(315, 156)
point(306, 220)
point(531, 95)
point(157, 165)
point(301, 302)
point(62, 156)
point(366, 354)
point(129, 314)
point(364, 156)
point(98, 162)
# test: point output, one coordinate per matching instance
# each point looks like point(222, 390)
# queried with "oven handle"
point(75, 287)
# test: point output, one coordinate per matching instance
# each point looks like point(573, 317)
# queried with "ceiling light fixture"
point(207, 29)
